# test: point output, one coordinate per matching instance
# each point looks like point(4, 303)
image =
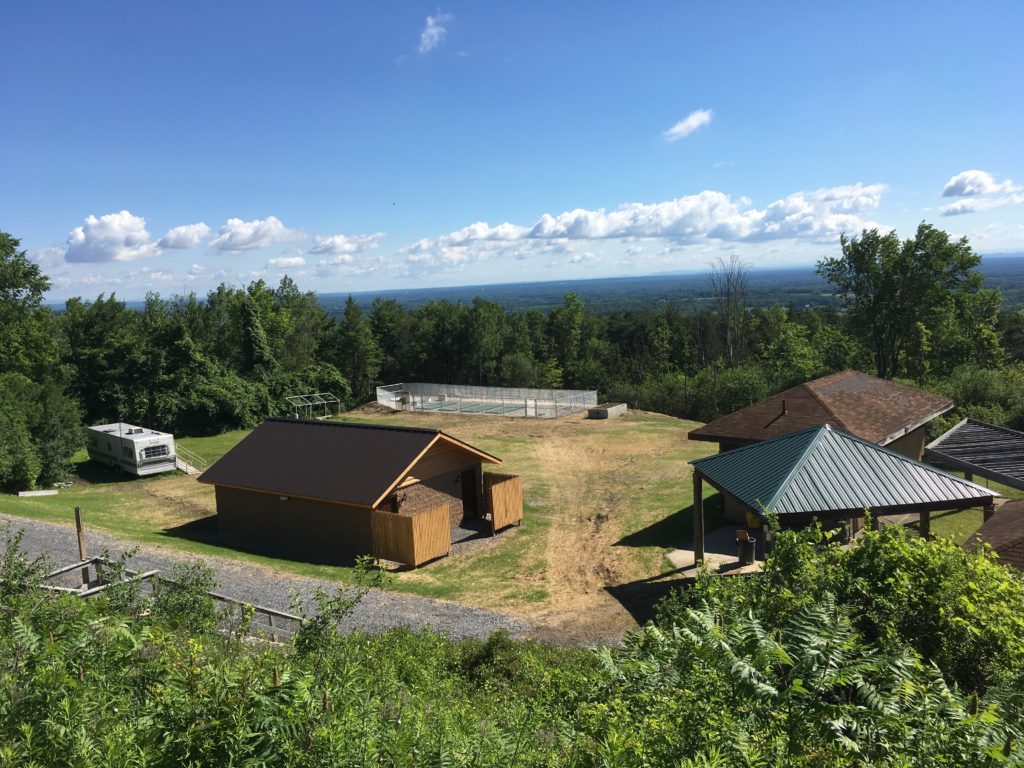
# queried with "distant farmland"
point(799, 286)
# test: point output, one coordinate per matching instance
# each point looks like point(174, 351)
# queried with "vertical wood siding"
point(411, 539)
point(504, 499)
point(301, 524)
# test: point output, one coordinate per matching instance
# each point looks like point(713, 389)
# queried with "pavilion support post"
point(876, 524)
point(698, 518)
point(988, 510)
point(969, 477)
point(924, 524)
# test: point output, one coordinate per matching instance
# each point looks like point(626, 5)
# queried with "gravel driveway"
point(378, 610)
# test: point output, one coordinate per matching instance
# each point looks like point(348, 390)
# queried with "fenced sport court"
point(486, 401)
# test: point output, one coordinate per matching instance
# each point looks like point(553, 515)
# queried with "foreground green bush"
point(960, 610)
point(742, 673)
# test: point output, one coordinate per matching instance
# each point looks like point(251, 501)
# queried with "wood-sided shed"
point(828, 475)
point(345, 489)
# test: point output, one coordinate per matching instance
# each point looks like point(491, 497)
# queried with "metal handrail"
point(192, 458)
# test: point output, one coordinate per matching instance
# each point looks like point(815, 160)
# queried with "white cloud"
point(50, 257)
point(975, 204)
point(972, 183)
point(343, 264)
point(285, 262)
point(237, 235)
point(195, 272)
point(434, 32)
point(696, 119)
point(185, 236)
point(345, 244)
point(118, 236)
point(817, 216)
point(154, 276)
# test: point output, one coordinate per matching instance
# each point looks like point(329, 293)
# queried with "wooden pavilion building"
point(825, 474)
point(345, 489)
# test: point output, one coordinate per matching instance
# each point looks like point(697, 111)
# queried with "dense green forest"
point(816, 662)
point(913, 309)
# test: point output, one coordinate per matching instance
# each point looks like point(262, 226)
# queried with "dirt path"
point(581, 559)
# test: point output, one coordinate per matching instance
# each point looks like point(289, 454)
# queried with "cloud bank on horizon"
point(622, 236)
point(818, 216)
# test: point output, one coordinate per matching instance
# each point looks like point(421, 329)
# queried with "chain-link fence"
point(514, 402)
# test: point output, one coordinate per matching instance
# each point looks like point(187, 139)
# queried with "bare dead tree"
point(729, 281)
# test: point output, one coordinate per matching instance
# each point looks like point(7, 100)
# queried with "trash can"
point(745, 550)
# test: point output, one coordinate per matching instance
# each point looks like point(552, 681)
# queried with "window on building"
point(155, 451)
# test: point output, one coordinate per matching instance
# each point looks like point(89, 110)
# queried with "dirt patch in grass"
point(602, 502)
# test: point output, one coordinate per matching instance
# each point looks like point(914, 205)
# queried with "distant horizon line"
point(466, 286)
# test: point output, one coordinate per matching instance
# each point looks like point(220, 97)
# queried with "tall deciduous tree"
point(40, 427)
point(900, 294)
point(729, 281)
point(27, 339)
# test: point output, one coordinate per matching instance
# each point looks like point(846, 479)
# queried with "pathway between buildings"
point(377, 611)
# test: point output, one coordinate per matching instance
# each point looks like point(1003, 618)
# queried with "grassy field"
point(963, 524)
point(604, 502)
point(602, 508)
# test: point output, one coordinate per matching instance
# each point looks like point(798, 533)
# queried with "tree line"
point(912, 309)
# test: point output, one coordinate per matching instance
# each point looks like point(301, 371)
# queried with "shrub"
point(182, 601)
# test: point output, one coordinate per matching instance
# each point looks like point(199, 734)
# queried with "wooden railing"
point(261, 619)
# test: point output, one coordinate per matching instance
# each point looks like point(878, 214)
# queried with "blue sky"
point(173, 146)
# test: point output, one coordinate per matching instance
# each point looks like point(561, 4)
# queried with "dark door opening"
point(470, 495)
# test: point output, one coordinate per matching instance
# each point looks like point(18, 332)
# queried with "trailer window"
point(155, 451)
point(127, 451)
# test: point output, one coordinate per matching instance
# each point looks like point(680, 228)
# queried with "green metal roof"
point(827, 470)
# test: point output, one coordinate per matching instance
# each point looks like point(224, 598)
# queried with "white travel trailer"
point(134, 449)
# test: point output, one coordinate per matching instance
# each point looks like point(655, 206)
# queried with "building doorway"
point(470, 495)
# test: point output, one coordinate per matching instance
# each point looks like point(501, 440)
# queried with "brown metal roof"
point(873, 409)
point(1004, 532)
point(341, 462)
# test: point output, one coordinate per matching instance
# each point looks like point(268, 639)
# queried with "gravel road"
point(378, 610)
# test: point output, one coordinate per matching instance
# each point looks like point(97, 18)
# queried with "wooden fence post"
point(83, 550)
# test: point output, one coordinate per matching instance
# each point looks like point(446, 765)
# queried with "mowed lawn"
point(604, 502)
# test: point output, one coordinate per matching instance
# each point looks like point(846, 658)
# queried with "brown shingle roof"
point(871, 408)
point(341, 462)
point(1004, 532)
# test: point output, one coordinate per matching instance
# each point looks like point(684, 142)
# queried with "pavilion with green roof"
point(829, 475)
